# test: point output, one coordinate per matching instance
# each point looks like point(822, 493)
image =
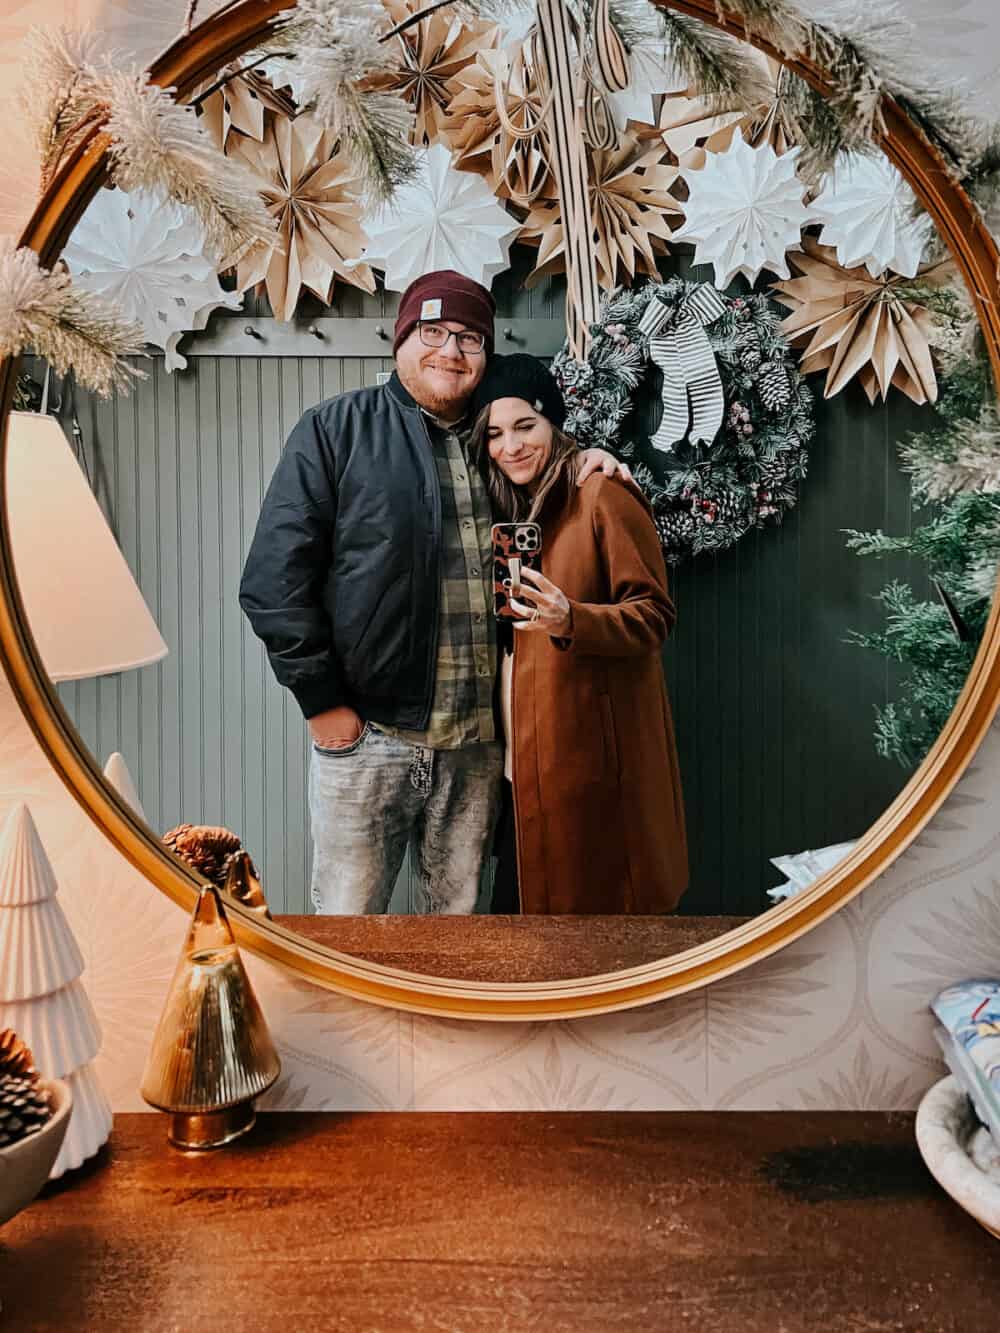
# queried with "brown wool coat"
point(597, 792)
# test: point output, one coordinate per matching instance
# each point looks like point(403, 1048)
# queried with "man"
point(369, 580)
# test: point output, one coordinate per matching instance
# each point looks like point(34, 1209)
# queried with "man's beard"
point(435, 403)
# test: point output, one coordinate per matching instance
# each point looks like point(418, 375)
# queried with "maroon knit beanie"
point(445, 295)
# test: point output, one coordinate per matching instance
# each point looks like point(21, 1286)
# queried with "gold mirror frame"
point(196, 57)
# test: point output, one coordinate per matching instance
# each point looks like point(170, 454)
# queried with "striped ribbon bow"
point(692, 387)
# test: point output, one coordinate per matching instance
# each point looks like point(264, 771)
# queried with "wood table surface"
point(770, 1222)
point(512, 948)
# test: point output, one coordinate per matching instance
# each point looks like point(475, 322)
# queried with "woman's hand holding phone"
point(549, 611)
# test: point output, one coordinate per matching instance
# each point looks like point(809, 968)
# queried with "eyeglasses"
point(467, 341)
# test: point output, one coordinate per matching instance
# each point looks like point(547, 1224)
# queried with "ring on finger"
point(535, 614)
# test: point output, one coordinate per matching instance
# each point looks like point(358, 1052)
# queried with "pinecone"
point(24, 1103)
point(730, 506)
point(750, 358)
point(204, 847)
point(675, 528)
point(15, 1056)
point(773, 386)
point(772, 472)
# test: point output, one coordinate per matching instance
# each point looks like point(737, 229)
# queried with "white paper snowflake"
point(516, 23)
point(148, 256)
point(444, 219)
point(744, 211)
point(651, 71)
point(868, 214)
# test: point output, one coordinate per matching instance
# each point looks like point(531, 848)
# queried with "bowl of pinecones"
point(34, 1115)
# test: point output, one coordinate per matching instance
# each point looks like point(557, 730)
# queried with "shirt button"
point(483, 671)
point(479, 617)
point(467, 524)
point(461, 476)
point(475, 569)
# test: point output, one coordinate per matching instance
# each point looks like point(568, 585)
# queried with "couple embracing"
point(370, 582)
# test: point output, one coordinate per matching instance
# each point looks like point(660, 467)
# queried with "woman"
point(597, 820)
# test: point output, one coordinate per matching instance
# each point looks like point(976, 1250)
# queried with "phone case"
point(512, 542)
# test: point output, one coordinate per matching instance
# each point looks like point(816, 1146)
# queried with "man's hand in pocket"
point(336, 728)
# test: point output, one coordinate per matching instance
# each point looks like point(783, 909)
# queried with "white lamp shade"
point(85, 610)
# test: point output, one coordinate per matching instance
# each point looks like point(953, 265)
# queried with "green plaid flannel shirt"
point(462, 707)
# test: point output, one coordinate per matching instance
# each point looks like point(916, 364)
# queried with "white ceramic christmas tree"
point(117, 773)
point(41, 996)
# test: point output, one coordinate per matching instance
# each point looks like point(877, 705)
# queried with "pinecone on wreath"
point(675, 528)
point(772, 472)
point(750, 358)
point(205, 847)
point(731, 506)
point(773, 386)
point(24, 1103)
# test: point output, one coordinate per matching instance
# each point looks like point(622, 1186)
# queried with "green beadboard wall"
point(773, 710)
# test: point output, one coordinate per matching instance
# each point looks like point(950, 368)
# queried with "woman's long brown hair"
point(516, 502)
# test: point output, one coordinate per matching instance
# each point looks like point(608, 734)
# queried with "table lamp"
point(85, 609)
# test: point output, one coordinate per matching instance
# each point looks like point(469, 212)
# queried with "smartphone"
point(516, 546)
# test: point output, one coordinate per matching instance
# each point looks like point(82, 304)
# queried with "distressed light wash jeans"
point(368, 800)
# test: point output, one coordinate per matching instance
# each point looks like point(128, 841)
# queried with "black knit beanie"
point(520, 376)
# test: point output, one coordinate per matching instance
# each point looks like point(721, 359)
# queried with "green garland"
point(959, 544)
point(704, 498)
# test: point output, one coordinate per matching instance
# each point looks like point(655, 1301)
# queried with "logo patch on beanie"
point(431, 309)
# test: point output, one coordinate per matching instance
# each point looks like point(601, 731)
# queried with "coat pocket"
point(610, 735)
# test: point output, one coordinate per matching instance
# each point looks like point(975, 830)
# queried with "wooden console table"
point(776, 1222)
point(512, 948)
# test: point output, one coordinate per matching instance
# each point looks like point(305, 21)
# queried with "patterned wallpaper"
point(837, 1020)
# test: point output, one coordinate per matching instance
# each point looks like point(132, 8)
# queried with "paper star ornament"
point(744, 211)
point(313, 191)
point(242, 104)
point(431, 53)
point(850, 324)
point(148, 256)
point(516, 168)
point(442, 219)
point(651, 71)
point(692, 128)
point(868, 215)
point(630, 199)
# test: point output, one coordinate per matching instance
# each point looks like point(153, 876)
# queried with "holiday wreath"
point(705, 493)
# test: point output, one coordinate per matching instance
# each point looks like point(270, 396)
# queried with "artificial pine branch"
point(815, 123)
point(966, 458)
point(377, 127)
point(58, 97)
point(338, 43)
point(777, 21)
point(635, 21)
point(71, 328)
point(960, 549)
point(721, 68)
point(156, 144)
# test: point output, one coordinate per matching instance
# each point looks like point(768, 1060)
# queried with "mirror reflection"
point(468, 609)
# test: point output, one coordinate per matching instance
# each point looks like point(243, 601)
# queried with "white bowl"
point(960, 1153)
point(25, 1166)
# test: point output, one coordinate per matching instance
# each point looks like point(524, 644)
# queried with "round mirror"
point(803, 666)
